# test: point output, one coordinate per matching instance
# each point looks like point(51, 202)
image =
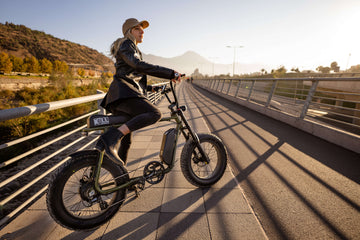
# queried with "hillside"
point(21, 41)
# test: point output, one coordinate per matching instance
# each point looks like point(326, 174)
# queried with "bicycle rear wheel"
point(72, 200)
point(195, 170)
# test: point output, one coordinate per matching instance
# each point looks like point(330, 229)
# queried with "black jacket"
point(130, 78)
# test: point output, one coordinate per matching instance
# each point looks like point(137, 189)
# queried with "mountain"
point(21, 41)
point(189, 61)
point(185, 63)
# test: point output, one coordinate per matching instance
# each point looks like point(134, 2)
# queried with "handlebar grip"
point(177, 75)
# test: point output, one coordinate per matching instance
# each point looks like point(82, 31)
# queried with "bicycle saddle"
point(99, 120)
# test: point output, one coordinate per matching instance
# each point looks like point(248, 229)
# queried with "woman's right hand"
point(177, 77)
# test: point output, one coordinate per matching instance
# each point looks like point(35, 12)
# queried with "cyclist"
point(126, 95)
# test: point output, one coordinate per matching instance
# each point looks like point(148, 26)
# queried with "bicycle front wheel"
point(195, 169)
point(72, 200)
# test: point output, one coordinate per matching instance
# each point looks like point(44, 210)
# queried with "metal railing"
point(332, 101)
point(8, 114)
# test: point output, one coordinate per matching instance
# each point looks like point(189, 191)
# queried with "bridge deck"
point(169, 210)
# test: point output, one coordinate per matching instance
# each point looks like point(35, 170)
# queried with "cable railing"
point(23, 187)
point(331, 102)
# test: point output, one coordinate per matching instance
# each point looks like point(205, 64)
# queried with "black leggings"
point(141, 113)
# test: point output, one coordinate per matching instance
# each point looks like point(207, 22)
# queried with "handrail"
point(13, 113)
point(9, 114)
point(332, 103)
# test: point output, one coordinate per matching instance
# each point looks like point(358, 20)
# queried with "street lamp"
point(213, 64)
point(234, 56)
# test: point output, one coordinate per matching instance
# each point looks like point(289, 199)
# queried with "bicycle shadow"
point(150, 222)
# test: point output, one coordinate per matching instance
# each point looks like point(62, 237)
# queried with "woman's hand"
point(177, 77)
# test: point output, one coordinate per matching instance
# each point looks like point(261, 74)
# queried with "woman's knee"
point(157, 115)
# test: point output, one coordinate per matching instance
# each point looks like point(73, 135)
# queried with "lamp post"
point(213, 64)
point(234, 47)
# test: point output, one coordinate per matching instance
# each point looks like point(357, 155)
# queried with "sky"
point(300, 34)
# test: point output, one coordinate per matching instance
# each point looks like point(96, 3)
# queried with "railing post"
point(251, 88)
point(222, 86)
point(271, 93)
point(308, 99)
point(227, 93)
point(212, 84)
point(237, 89)
point(217, 85)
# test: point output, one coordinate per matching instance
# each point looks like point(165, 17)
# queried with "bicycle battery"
point(168, 146)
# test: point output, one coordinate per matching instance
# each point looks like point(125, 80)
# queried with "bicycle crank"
point(154, 172)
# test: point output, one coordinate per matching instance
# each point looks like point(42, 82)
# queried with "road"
point(299, 186)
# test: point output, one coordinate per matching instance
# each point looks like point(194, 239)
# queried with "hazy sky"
point(301, 33)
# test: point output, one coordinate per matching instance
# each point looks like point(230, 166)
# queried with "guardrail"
point(22, 174)
point(331, 103)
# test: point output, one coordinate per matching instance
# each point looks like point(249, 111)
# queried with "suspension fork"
point(194, 136)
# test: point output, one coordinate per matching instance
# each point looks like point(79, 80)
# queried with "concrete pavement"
point(172, 209)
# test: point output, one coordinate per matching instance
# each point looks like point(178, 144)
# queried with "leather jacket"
point(130, 79)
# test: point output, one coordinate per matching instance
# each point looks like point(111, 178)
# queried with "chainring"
point(154, 172)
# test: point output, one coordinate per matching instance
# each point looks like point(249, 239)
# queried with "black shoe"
point(109, 142)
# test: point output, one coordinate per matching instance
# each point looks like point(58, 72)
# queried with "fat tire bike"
point(89, 189)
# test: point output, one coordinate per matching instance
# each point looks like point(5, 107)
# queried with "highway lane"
point(300, 186)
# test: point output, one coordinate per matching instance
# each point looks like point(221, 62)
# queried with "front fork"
point(203, 156)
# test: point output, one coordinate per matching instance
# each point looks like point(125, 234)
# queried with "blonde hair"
point(114, 48)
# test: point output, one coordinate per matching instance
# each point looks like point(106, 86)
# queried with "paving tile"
point(149, 201)
point(226, 181)
point(132, 225)
point(225, 201)
point(222, 227)
point(183, 200)
point(23, 226)
point(183, 226)
point(176, 179)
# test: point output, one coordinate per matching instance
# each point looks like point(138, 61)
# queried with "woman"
point(126, 92)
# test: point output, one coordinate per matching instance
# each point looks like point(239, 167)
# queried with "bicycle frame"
point(177, 115)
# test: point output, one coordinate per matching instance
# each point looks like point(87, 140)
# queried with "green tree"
point(5, 63)
point(46, 66)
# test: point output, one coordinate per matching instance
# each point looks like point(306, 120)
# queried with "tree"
point(5, 63)
point(334, 66)
point(46, 66)
point(31, 65)
point(323, 69)
point(295, 70)
point(17, 63)
point(354, 69)
point(91, 73)
point(281, 71)
point(60, 66)
point(81, 72)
